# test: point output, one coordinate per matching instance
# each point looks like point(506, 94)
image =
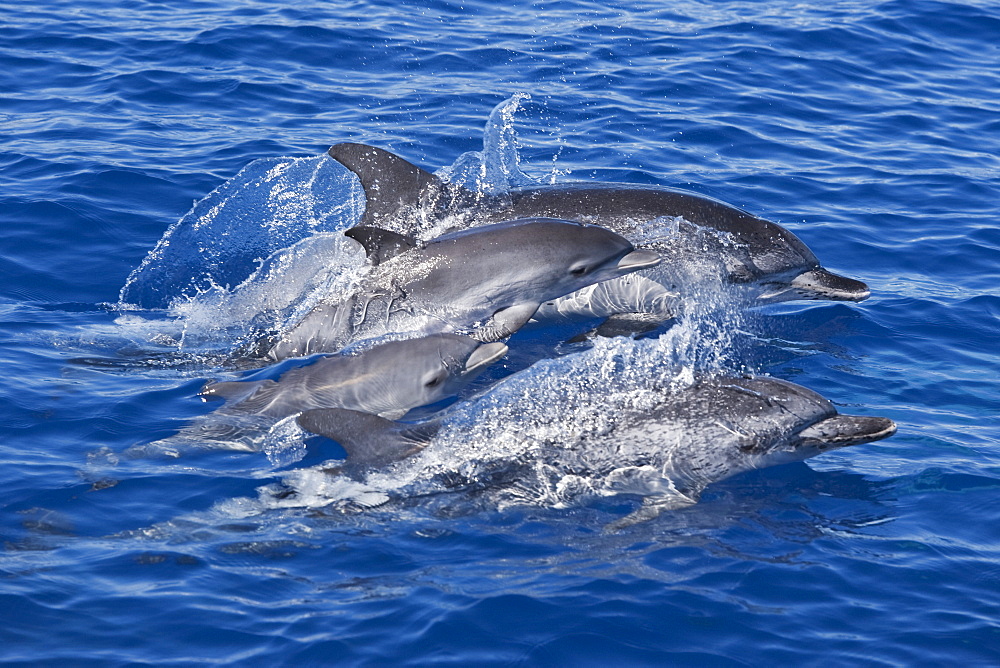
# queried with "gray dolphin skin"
point(693, 437)
point(387, 379)
point(487, 280)
point(763, 259)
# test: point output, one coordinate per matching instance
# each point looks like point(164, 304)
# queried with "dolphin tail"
point(822, 284)
point(369, 440)
point(390, 182)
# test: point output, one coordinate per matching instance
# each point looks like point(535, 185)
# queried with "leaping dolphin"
point(765, 261)
point(387, 379)
point(487, 280)
point(669, 453)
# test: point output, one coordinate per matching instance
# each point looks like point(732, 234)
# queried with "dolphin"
point(668, 452)
point(487, 280)
point(763, 260)
point(387, 379)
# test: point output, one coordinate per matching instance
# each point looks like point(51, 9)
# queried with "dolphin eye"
point(435, 380)
point(579, 270)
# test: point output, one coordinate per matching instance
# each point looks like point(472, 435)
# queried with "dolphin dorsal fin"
point(369, 440)
point(390, 182)
point(381, 245)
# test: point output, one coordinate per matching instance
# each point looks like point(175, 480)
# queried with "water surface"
point(870, 130)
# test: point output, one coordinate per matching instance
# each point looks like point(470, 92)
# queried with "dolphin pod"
point(544, 252)
point(762, 260)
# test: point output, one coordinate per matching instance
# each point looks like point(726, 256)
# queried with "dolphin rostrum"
point(487, 280)
point(667, 453)
point(763, 260)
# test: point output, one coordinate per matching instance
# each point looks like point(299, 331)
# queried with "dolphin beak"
point(484, 355)
point(840, 431)
point(821, 284)
point(638, 259)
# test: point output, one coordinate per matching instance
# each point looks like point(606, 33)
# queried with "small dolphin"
point(669, 453)
point(763, 259)
point(387, 379)
point(489, 280)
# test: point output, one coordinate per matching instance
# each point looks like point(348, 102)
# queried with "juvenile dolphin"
point(387, 379)
point(488, 280)
point(763, 259)
point(668, 453)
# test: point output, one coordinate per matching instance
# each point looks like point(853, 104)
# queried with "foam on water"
point(270, 205)
point(259, 252)
point(497, 167)
point(250, 259)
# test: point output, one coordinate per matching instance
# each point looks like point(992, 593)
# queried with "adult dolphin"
point(487, 280)
point(765, 261)
point(668, 452)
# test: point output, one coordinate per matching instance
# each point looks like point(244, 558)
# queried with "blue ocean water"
point(869, 129)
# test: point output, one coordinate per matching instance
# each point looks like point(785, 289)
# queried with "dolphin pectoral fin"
point(484, 355)
point(390, 182)
point(369, 440)
point(381, 245)
point(639, 259)
point(652, 507)
point(505, 322)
